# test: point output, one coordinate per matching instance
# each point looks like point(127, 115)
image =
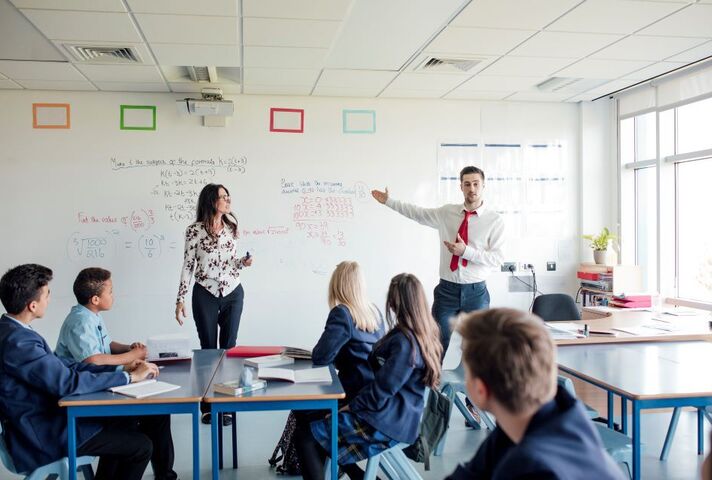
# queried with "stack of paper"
point(147, 388)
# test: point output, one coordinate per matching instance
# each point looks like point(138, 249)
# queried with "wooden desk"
point(279, 395)
point(193, 377)
point(650, 375)
point(691, 327)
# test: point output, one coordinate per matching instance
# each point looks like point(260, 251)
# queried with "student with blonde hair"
point(387, 410)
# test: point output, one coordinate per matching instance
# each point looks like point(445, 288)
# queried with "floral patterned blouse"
point(214, 260)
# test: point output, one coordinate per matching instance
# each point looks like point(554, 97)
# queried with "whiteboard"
point(96, 195)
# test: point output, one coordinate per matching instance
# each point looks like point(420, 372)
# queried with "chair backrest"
point(4, 454)
point(555, 307)
point(567, 383)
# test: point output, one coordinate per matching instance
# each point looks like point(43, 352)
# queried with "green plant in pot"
point(599, 244)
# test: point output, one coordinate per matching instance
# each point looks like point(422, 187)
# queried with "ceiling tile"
point(366, 79)
point(285, 57)
point(530, 14)
point(564, 45)
point(39, 70)
point(596, 68)
point(280, 76)
point(426, 81)
point(221, 8)
point(311, 10)
point(612, 16)
point(360, 44)
point(406, 93)
point(644, 47)
point(9, 85)
point(90, 5)
point(56, 85)
point(538, 97)
point(527, 66)
point(198, 55)
point(483, 41)
point(276, 90)
point(693, 54)
point(84, 26)
point(653, 70)
point(474, 95)
point(605, 89)
point(346, 91)
point(693, 21)
point(275, 32)
point(20, 40)
point(198, 30)
point(487, 83)
point(131, 87)
point(122, 73)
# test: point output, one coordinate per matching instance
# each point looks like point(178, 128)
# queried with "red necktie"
point(462, 231)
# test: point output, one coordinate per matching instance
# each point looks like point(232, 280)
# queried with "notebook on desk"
point(144, 389)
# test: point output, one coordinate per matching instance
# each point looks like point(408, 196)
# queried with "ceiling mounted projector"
point(211, 103)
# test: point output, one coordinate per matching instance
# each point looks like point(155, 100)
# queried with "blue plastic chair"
point(392, 462)
point(60, 468)
point(617, 445)
point(707, 412)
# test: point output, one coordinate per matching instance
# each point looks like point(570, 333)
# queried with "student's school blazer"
point(347, 348)
point(32, 380)
point(559, 443)
point(393, 402)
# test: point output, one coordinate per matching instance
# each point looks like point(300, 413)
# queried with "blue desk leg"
point(196, 442)
point(636, 440)
point(610, 409)
point(624, 415)
point(72, 444)
point(334, 441)
point(220, 441)
point(214, 442)
point(670, 433)
point(234, 439)
point(700, 431)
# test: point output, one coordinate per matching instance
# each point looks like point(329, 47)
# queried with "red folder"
point(253, 351)
point(588, 275)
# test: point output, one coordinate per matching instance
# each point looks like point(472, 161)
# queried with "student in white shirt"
point(472, 237)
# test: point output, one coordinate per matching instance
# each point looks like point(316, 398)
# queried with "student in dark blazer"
point(33, 379)
point(542, 431)
point(387, 410)
point(354, 325)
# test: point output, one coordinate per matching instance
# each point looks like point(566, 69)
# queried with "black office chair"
point(556, 307)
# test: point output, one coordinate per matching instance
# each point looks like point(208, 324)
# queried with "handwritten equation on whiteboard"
point(137, 220)
point(178, 181)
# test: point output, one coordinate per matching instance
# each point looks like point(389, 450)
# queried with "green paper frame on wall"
point(122, 120)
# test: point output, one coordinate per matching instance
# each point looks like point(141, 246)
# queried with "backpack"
point(290, 462)
point(433, 425)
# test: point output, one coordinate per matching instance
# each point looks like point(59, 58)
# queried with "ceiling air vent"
point(569, 85)
point(447, 64)
point(106, 54)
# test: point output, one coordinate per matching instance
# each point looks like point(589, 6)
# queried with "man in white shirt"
point(472, 237)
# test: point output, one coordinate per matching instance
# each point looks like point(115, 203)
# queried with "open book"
point(269, 361)
point(147, 388)
point(307, 375)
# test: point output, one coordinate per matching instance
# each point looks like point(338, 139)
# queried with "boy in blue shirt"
point(542, 431)
point(84, 336)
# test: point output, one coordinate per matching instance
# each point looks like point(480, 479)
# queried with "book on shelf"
point(595, 268)
point(269, 361)
point(307, 375)
point(297, 353)
point(605, 286)
point(237, 387)
point(247, 351)
point(146, 388)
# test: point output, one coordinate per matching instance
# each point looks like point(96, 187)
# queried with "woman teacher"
point(211, 256)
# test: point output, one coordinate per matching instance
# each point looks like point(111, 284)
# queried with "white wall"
point(49, 176)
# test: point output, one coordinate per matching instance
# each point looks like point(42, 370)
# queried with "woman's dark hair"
point(207, 201)
point(406, 301)
point(88, 283)
point(21, 286)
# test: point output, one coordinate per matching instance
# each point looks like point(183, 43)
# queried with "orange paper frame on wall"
point(36, 107)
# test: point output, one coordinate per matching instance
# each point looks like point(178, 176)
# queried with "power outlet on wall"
point(550, 266)
point(509, 267)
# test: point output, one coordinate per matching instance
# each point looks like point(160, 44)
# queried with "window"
point(645, 137)
point(694, 131)
point(646, 226)
point(694, 230)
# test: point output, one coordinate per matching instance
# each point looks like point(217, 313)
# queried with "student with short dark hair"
point(33, 379)
point(84, 336)
point(542, 431)
point(387, 410)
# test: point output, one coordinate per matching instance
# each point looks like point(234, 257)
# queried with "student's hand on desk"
point(457, 248)
point(132, 365)
point(380, 196)
point(144, 371)
point(139, 353)
point(180, 313)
